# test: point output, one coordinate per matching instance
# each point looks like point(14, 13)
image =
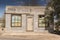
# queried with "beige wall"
point(24, 10)
point(8, 27)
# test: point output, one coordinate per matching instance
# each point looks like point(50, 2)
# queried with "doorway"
point(29, 23)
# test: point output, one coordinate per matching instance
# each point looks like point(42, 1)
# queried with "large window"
point(16, 21)
point(41, 21)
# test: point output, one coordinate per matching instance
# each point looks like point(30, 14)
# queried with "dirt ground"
point(31, 37)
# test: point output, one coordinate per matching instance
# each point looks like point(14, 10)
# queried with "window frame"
point(16, 15)
point(40, 23)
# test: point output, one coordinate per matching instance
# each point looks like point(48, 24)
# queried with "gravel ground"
point(31, 37)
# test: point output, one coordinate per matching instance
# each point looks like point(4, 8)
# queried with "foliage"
point(49, 14)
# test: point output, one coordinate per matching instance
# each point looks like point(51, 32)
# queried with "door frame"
point(33, 23)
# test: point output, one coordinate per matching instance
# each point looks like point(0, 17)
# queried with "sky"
point(4, 3)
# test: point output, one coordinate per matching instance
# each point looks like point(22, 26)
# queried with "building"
point(25, 19)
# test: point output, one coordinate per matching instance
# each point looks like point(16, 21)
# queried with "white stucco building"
point(24, 19)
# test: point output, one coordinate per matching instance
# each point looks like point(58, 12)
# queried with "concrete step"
point(26, 33)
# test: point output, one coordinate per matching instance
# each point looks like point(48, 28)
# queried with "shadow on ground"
point(55, 32)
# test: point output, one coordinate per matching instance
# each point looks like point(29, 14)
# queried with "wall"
point(24, 11)
point(14, 29)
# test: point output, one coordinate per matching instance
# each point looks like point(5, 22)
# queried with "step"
point(25, 33)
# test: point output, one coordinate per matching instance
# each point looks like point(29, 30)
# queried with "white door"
point(29, 23)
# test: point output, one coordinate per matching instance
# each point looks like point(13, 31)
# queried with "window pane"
point(16, 20)
point(12, 20)
point(12, 17)
point(19, 24)
point(15, 24)
point(12, 23)
point(41, 21)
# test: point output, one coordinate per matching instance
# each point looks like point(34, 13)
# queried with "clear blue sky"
point(3, 3)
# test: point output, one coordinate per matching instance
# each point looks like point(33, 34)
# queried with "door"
point(29, 23)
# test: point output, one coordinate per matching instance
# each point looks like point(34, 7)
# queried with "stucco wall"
point(8, 27)
point(25, 9)
point(35, 11)
point(7, 22)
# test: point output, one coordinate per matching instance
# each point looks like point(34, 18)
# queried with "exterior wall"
point(8, 27)
point(24, 22)
point(24, 11)
point(35, 22)
point(36, 28)
point(8, 22)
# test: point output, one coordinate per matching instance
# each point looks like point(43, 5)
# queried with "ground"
point(31, 37)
